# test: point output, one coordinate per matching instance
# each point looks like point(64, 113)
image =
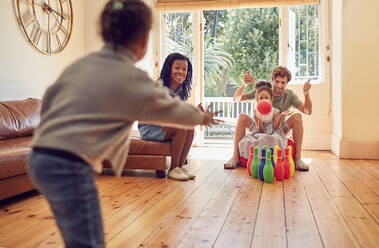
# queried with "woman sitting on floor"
point(176, 75)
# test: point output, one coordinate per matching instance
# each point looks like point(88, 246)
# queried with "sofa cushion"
point(144, 147)
point(13, 156)
point(19, 118)
point(15, 185)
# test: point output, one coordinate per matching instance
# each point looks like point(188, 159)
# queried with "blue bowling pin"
point(262, 164)
point(272, 157)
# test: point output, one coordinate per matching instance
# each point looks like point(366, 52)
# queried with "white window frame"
point(325, 51)
point(324, 41)
point(198, 53)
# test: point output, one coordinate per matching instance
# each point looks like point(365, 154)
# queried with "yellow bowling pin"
point(276, 153)
point(292, 163)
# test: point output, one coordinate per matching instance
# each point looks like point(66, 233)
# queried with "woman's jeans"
point(69, 186)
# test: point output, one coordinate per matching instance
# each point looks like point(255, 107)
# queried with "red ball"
point(264, 107)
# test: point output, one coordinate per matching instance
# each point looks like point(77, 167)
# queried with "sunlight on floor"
point(215, 153)
point(220, 152)
point(307, 160)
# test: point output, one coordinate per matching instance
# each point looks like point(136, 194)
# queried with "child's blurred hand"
point(248, 79)
point(208, 118)
point(200, 107)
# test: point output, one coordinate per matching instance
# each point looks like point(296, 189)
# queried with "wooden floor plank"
point(115, 195)
point(361, 224)
point(139, 230)
point(332, 226)
point(365, 229)
point(335, 204)
point(270, 228)
point(363, 174)
point(184, 216)
point(120, 196)
point(143, 191)
point(36, 211)
point(370, 166)
point(359, 188)
point(238, 228)
point(301, 225)
point(34, 236)
point(205, 228)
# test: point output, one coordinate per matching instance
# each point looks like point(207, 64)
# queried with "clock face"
point(46, 23)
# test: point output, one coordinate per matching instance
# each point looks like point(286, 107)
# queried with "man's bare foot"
point(231, 164)
point(301, 166)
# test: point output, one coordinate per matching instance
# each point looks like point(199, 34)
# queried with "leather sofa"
point(148, 155)
point(17, 122)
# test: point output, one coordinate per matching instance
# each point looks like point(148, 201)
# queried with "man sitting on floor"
point(284, 99)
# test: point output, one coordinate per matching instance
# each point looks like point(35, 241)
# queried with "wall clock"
point(47, 24)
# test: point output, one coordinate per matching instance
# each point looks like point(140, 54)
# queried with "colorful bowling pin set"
point(271, 164)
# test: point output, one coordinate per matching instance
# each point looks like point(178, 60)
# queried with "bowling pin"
point(262, 164)
point(255, 163)
point(248, 165)
point(279, 169)
point(272, 157)
point(292, 163)
point(276, 153)
point(286, 164)
point(268, 170)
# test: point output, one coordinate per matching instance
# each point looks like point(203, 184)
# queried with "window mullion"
point(283, 35)
point(197, 57)
point(198, 69)
point(158, 41)
point(324, 45)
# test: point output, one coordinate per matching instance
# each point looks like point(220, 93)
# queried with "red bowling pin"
point(248, 166)
point(286, 164)
point(279, 169)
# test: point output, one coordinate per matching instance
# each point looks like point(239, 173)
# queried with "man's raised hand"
point(307, 86)
point(248, 79)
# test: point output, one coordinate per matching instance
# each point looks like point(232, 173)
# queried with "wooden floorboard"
point(187, 213)
point(300, 222)
point(335, 204)
point(238, 228)
point(135, 233)
point(363, 227)
point(204, 230)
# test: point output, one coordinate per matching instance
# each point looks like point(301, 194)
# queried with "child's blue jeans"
point(69, 186)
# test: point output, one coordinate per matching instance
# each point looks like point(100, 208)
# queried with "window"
point(179, 34)
point(303, 58)
point(233, 41)
point(237, 41)
point(240, 40)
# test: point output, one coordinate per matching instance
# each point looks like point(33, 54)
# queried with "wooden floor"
point(335, 204)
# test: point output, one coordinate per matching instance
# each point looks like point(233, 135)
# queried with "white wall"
point(93, 39)
point(336, 75)
point(355, 79)
point(24, 71)
point(360, 66)
point(317, 126)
